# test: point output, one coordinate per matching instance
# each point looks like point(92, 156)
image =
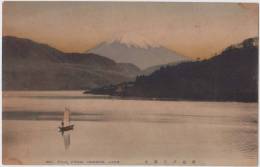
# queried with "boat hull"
point(66, 128)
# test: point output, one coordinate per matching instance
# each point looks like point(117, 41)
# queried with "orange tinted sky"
point(193, 29)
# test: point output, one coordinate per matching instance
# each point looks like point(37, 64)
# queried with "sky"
point(195, 30)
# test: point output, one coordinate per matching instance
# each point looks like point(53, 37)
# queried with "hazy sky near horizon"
point(192, 29)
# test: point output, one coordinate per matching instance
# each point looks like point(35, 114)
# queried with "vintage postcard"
point(130, 83)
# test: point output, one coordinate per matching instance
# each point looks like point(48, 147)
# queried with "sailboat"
point(65, 123)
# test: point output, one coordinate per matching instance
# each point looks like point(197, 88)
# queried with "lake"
point(119, 131)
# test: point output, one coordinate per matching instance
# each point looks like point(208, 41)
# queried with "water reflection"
point(66, 138)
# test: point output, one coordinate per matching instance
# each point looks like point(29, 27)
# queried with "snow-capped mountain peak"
point(133, 41)
point(138, 52)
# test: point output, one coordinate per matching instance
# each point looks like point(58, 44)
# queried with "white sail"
point(66, 117)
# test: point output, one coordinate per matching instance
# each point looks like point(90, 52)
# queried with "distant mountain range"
point(230, 76)
point(143, 56)
point(28, 65)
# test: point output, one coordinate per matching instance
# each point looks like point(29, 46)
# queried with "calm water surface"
point(112, 131)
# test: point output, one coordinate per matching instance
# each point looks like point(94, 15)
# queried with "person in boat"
point(62, 124)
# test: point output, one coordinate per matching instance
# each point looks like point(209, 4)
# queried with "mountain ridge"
point(32, 65)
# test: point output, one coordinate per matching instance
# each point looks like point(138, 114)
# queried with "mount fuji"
point(141, 54)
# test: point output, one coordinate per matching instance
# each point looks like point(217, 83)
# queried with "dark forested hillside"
point(230, 76)
point(28, 65)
